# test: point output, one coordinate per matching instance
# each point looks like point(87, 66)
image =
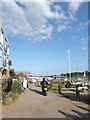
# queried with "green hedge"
point(10, 97)
point(4, 96)
point(17, 87)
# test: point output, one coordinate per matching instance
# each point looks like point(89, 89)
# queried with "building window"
point(4, 62)
point(2, 31)
point(8, 50)
point(5, 45)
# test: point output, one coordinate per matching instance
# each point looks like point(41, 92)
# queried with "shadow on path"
point(81, 107)
point(36, 91)
point(85, 98)
point(76, 115)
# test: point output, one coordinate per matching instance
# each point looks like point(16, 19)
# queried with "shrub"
point(10, 97)
point(4, 97)
point(16, 87)
point(74, 85)
point(13, 95)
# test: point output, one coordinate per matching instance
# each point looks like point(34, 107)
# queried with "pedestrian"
point(25, 84)
point(9, 84)
point(77, 94)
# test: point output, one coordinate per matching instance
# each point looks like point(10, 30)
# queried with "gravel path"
point(34, 105)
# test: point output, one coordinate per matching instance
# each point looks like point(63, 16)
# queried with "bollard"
point(59, 89)
point(77, 94)
point(50, 85)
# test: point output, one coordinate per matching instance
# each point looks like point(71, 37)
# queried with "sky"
point(40, 34)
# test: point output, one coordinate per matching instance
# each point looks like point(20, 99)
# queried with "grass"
point(55, 84)
point(55, 87)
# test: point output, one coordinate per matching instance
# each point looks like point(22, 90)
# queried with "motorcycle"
point(44, 90)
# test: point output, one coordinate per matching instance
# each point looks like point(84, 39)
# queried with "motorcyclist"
point(44, 83)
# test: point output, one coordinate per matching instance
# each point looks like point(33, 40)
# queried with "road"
point(34, 105)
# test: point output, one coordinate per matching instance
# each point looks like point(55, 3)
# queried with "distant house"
point(4, 51)
point(27, 74)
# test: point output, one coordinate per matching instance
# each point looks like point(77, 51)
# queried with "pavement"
point(34, 105)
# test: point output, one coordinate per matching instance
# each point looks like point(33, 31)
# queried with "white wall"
point(4, 49)
point(8, 50)
point(1, 38)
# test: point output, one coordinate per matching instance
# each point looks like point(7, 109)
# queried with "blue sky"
point(40, 35)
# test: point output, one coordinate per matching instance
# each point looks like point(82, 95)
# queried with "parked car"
point(83, 87)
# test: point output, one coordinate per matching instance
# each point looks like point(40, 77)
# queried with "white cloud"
point(74, 7)
point(83, 48)
point(82, 26)
point(84, 43)
point(83, 40)
point(48, 0)
point(30, 20)
point(61, 28)
point(57, 8)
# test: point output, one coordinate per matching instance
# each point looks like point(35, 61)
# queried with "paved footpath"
point(34, 105)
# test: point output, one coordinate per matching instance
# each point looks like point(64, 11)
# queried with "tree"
point(12, 72)
point(21, 75)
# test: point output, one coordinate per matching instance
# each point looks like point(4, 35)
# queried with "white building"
point(4, 50)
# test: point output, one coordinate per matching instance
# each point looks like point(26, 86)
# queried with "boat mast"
point(69, 65)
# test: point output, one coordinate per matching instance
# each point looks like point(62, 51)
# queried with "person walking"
point(25, 83)
point(9, 84)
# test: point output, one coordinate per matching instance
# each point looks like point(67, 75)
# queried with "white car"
point(82, 88)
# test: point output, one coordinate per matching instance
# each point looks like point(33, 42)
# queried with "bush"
point(74, 85)
point(4, 97)
point(10, 97)
point(16, 87)
point(13, 95)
